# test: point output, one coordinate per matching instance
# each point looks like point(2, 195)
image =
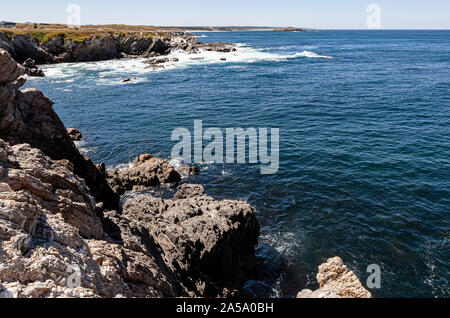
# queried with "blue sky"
point(323, 14)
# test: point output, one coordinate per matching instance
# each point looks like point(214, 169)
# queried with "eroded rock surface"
point(336, 281)
point(52, 244)
point(207, 244)
point(61, 236)
point(74, 134)
point(28, 117)
point(147, 171)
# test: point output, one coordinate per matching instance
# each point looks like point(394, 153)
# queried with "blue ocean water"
point(364, 144)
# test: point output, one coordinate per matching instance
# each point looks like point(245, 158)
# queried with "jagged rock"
point(28, 117)
point(147, 171)
point(74, 134)
point(55, 46)
point(208, 244)
point(9, 70)
point(32, 69)
point(188, 170)
point(32, 183)
point(155, 61)
point(93, 49)
point(7, 45)
point(26, 47)
point(133, 45)
point(336, 281)
point(50, 237)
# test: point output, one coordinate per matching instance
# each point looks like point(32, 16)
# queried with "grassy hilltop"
point(45, 32)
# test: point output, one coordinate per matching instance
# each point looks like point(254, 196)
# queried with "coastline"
point(103, 230)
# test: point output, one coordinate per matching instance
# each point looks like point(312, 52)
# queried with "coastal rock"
point(188, 170)
point(32, 69)
point(133, 45)
point(93, 49)
point(147, 171)
point(336, 281)
point(33, 184)
point(158, 47)
point(9, 71)
point(55, 45)
point(7, 45)
point(28, 117)
point(74, 134)
point(208, 244)
point(155, 61)
point(26, 47)
point(50, 237)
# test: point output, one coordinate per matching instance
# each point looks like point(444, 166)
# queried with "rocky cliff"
point(63, 233)
point(58, 48)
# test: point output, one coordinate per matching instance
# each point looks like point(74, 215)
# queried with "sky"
point(318, 14)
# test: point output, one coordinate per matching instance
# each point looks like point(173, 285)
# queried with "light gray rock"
point(336, 281)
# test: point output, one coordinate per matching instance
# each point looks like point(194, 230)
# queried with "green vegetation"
point(43, 33)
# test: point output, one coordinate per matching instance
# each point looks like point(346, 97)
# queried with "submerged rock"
point(336, 281)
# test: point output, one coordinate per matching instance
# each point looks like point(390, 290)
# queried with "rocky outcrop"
point(28, 117)
point(26, 47)
point(94, 49)
point(59, 49)
point(52, 244)
point(62, 233)
point(74, 134)
point(51, 239)
point(32, 69)
point(208, 245)
point(336, 281)
point(147, 171)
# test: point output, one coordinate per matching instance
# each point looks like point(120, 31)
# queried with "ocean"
point(364, 121)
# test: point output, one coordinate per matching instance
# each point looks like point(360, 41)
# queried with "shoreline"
point(104, 226)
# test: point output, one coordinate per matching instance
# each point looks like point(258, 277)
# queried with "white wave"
point(311, 55)
point(83, 147)
point(112, 72)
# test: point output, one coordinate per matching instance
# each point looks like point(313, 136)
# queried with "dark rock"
point(26, 47)
point(28, 117)
point(155, 61)
point(74, 134)
point(32, 69)
point(209, 244)
point(188, 191)
point(131, 45)
point(159, 46)
point(188, 170)
point(94, 49)
point(147, 171)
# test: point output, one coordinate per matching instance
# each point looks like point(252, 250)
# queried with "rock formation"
point(147, 171)
point(58, 49)
point(28, 117)
point(63, 234)
point(74, 134)
point(32, 69)
point(336, 281)
point(53, 244)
